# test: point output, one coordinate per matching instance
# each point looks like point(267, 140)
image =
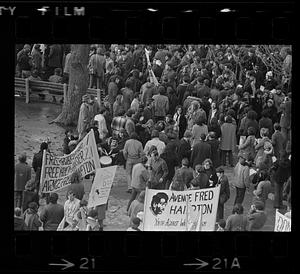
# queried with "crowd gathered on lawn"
point(174, 117)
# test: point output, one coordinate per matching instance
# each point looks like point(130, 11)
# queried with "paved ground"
point(31, 126)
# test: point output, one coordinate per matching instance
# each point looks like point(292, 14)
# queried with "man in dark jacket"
point(37, 164)
point(52, 214)
point(54, 58)
point(184, 146)
point(201, 151)
point(224, 192)
point(215, 152)
point(22, 176)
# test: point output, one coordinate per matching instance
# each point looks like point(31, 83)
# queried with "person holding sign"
point(71, 207)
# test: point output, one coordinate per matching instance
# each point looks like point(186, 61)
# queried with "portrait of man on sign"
point(159, 203)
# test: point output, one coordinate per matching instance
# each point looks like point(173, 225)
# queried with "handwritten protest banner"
point(57, 170)
point(282, 223)
point(191, 210)
point(101, 186)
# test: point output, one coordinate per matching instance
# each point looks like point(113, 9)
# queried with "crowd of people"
point(175, 117)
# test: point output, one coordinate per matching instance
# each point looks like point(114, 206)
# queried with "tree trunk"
point(78, 84)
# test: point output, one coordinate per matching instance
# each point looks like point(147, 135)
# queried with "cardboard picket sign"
point(101, 186)
point(57, 170)
point(282, 223)
point(191, 210)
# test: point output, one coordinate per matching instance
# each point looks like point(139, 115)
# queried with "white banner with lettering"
point(191, 210)
point(101, 186)
point(57, 170)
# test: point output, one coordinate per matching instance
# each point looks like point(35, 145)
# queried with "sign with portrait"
point(191, 210)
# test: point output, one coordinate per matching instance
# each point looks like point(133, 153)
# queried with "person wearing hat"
point(31, 217)
point(84, 117)
point(241, 180)
point(224, 192)
point(161, 104)
point(22, 176)
point(257, 217)
point(184, 146)
point(132, 152)
point(140, 176)
point(52, 214)
point(155, 141)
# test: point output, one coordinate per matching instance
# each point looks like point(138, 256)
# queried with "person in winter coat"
point(248, 146)
point(52, 214)
point(278, 140)
point(185, 173)
point(259, 148)
point(224, 192)
point(197, 130)
point(285, 119)
point(128, 94)
point(200, 152)
point(170, 155)
point(180, 121)
point(96, 68)
point(241, 180)
point(84, 117)
point(211, 172)
point(263, 188)
point(161, 104)
point(228, 140)
point(237, 221)
point(19, 223)
point(257, 217)
point(22, 176)
point(37, 164)
point(184, 146)
point(113, 89)
point(266, 122)
point(215, 127)
point(281, 173)
point(76, 185)
point(201, 180)
point(215, 152)
point(31, 217)
point(271, 110)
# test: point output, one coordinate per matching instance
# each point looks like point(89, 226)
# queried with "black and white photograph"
point(152, 137)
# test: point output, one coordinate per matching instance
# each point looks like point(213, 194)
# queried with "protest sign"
point(57, 170)
point(282, 223)
point(101, 186)
point(191, 210)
